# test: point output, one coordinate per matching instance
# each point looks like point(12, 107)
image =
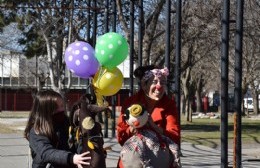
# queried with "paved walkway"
point(14, 154)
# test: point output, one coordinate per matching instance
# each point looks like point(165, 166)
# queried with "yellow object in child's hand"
point(91, 145)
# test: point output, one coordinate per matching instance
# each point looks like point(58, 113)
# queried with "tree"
point(45, 27)
point(152, 30)
point(48, 27)
point(251, 51)
point(200, 41)
point(251, 59)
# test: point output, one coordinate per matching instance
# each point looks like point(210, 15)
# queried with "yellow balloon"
point(108, 81)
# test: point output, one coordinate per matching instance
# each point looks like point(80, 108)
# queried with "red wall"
point(15, 100)
point(21, 100)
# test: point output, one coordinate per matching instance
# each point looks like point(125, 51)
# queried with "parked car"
point(248, 104)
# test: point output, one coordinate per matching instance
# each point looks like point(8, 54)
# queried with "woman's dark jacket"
point(44, 152)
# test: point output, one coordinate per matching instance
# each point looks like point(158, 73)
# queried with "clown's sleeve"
point(123, 130)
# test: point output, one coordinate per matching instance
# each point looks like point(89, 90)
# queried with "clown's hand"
point(132, 129)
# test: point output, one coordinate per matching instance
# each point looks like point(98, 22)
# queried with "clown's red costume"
point(164, 115)
point(152, 96)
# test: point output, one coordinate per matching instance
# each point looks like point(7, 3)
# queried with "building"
point(20, 77)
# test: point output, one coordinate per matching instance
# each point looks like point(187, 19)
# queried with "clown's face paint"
point(155, 87)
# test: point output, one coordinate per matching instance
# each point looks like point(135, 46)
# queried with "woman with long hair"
point(47, 133)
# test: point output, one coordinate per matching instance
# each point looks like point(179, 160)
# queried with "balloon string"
point(99, 74)
point(101, 101)
point(104, 102)
point(98, 95)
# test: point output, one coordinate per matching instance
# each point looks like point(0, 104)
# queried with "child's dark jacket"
point(44, 152)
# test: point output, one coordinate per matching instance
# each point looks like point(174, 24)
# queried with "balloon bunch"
point(100, 64)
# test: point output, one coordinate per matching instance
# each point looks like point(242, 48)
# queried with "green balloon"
point(111, 49)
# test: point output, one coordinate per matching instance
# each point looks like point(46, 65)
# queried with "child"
point(47, 133)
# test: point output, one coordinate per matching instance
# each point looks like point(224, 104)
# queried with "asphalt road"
point(14, 153)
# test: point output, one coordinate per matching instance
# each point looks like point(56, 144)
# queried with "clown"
point(147, 147)
point(153, 96)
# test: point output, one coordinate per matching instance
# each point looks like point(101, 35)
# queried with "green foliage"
point(6, 17)
point(45, 22)
point(34, 44)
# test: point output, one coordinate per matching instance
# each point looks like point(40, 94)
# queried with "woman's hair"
point(40, 118)
point(140, 71)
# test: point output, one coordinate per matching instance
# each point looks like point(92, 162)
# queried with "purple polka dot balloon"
point(80, 59)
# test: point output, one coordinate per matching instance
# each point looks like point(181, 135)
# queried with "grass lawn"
point(17, 114)
point(8, 124)
point(207, 132)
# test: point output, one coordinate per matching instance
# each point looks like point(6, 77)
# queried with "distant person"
point(47, 133)
point(152, 96)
